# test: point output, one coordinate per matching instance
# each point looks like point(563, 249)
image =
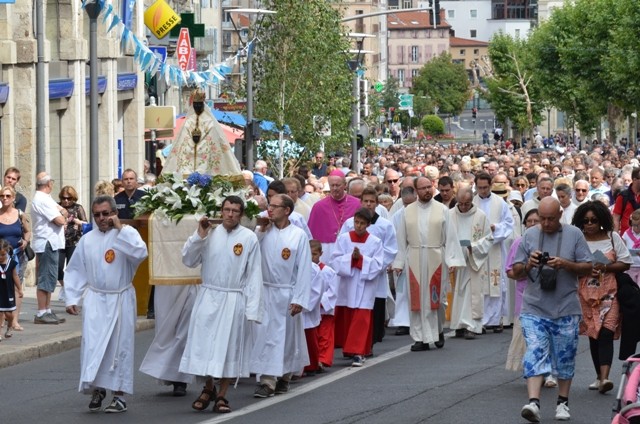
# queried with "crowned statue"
point(201, 145)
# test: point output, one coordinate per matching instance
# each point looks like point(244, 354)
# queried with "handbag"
point(28, 250)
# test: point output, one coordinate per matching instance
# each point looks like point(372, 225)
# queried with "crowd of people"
point(476, 238)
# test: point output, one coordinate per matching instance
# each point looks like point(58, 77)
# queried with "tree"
point(511, 85)
point(445, 83)
point(432, 125)
point(301, 71)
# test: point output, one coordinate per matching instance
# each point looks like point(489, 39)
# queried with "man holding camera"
point(551, 256)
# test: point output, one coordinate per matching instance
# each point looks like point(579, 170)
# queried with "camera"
point(543, 258)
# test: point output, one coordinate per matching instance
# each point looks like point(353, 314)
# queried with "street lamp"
point(354, 65)
point(248, 129)
point(93, 8)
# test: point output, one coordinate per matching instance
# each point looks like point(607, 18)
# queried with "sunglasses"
point(581, 190)
point(588, 221)
point(5, 196)
point(393, 181)
point(66, 198)
point(102, 214)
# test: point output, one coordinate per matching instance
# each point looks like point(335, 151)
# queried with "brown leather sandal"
point(221, 405)
point(205, 398)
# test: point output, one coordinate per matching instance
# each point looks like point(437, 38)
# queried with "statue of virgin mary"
point(201, 145)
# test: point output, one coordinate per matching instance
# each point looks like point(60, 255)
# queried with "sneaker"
point(96, 399)
point(531, 412)
point(45, 319)
point(595, 385)
point(562, 412)
point(116, 405)
point(550, 381)
point(605, 386)
point(60, 320)
point(358, 361)
point(282, 387)
point(263, 391)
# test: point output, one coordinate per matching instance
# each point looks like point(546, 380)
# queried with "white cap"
point(515, 195)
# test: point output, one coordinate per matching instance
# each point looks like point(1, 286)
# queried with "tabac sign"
point(160, 18)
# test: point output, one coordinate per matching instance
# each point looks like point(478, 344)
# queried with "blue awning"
point(4, 92)
point(60, 88)
point(102, 85)
point(234, 118)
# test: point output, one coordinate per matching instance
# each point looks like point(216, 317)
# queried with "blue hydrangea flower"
point(204, 180)
point(194, 178)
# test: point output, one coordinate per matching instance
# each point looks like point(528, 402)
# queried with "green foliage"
point(432, 125)
point(301, 71)
point(445, 83)
point(513, 89)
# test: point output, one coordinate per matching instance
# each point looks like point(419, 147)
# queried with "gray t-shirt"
point(563, 300)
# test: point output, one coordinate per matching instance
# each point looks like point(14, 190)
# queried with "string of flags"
point(149, 62)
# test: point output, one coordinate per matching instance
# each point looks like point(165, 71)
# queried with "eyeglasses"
point(588, 221)
point(103, 214)
point(5, 196)
point(581, 190)
point(393, 181)
point(231, 211)
point(276, 206)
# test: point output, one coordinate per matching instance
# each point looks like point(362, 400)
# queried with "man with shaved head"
point(551, 257)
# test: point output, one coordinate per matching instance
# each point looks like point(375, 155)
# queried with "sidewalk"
point(39, 340)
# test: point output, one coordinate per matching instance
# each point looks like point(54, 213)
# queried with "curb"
point(54, 346)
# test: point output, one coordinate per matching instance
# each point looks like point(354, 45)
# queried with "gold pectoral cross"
point(495, 275)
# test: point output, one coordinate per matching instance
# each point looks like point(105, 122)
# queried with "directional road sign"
point(406, 101)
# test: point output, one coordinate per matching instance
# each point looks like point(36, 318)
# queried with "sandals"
point(205, 398)
point(9, 333)
point(221, 406)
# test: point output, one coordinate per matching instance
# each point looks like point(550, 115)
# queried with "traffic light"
point(474, 112)
point(359, 141)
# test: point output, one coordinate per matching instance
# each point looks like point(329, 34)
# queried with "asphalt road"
point(465, 382)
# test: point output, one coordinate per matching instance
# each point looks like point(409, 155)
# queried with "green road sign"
point(378, 86)
point(406, 101)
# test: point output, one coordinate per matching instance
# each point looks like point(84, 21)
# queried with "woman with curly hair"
point(597, 292)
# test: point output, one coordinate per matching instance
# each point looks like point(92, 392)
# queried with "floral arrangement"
point(173, 197)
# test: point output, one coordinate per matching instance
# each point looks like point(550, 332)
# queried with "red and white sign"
point(183, 48)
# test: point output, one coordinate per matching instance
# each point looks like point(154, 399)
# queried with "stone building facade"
point(66, 100)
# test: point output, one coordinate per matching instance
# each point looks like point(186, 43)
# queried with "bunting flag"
point(149, 62)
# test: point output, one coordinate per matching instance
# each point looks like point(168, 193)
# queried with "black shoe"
point(440, 343)
point(96, 399)
point(469, 335)
point(419, 346)
point(151, 315)
point(498, 329)
point(460, 333)
point(179, 389)
point(282, 387)
point(402, 331)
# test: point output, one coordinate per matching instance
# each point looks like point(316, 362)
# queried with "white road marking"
point(265, 403)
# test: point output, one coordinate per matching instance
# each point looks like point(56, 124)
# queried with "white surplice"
point(468, 302)
point(173, 306)
point(495, 290)
point(311, 317)
point(426, 246)
point(229, 297)
point(280, 346)
point(102, 269)
point(357, 287)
